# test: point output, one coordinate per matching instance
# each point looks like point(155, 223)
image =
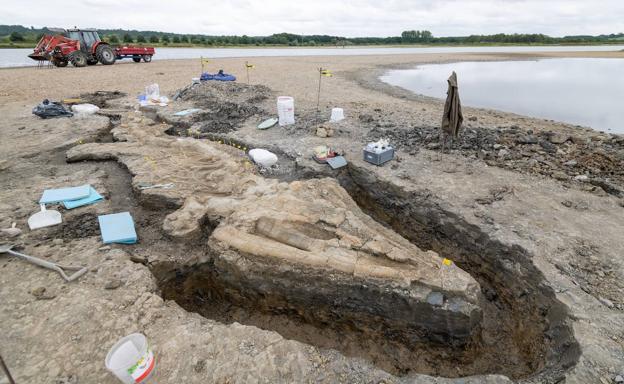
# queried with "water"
point(587, 92)
point(18, 57)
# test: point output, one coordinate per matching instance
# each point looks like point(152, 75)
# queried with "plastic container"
point(337, 115)
point(131, 359)
point(286, 110)
point(152, 92)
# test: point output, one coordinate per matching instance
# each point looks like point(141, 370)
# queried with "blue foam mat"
point(117, 228)
point(92, 198)
point(51, 196)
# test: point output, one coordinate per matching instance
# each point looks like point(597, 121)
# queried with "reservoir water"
point(18, 57)
point(586, 92)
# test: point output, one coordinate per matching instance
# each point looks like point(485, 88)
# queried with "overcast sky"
point(336, 17)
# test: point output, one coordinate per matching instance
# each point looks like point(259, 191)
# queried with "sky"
point(350, 18)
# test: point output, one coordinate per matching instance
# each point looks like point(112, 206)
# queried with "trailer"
point(136, 53)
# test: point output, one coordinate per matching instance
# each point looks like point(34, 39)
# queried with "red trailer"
point(137, 53)
point(83, 47)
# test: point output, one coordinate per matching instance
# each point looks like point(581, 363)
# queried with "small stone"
point(138, 259)
point(570, 163)
point(433, 145)
point(57, 241)
point(472, 118)
point(560, 175)
point(558, 138)
point(113, 284)
point(497, 146)
point(104, 248)
point(528, 139)
point(321, 132)
point(200, 366)
point(567, 203)
point(41, 294)
point(619, 379)
point(581, 178)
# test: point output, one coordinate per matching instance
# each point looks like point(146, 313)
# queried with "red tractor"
point(83, 47)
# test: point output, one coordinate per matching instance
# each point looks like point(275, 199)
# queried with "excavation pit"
point(523, 334)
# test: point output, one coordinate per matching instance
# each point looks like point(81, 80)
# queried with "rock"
point(527, 139)
point(113, 284)
point(323, 131)
point(619, 379)
point(40, 293)
point(139, 259)
point(548, 146)
point(497, 146)
point(57, 241)
point(579, 140)
point(581, 178)
point(570, 163)
point(606, 302)
point(472, 118)
point(567, 203)
point(503, 153)
point(433, 146)
point(104, 248)
point(560, 175)
point(558, 138)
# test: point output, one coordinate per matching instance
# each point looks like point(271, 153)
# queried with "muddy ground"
point(532, 209)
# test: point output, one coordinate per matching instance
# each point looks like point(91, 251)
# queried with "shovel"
point(44, 218)
point(6, 248)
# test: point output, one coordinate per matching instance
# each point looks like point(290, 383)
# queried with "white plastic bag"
point(152, 92)
point(263, 157)
point(85, 109)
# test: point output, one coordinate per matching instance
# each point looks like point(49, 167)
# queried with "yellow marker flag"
point(446, 261)
point(205, 61)
point(326, 72)
point(250, 65)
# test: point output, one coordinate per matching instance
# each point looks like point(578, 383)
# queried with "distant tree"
point(113, 39)
point(154, 39)
point(176, 39)
point(141, 39)
point(195, 40)
point(127, 38)
point(16, 36)
point(165, 39)
point(184, 39)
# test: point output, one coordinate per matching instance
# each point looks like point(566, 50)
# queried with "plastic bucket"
point(131, 359)
point(337, 115)
point(286, 110)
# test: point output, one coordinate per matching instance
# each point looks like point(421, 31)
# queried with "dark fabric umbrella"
point(452, 118)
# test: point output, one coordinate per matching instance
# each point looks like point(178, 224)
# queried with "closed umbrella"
point(452, 118)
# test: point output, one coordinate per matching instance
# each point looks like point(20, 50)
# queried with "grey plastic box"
point(379, 158)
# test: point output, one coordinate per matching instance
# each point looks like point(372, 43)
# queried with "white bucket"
point(337, 115)
point(131, 359)
point(286, 110)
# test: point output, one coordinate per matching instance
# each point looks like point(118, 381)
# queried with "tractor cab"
point(88, 38)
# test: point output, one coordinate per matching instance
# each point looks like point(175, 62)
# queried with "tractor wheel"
point(59, 63)
point(78, 59)
point(105, 54)
point(147, 58)
point(136, 59)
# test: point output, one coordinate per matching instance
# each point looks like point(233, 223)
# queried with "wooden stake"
point(318, 96)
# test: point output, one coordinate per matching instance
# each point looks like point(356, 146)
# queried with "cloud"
point(335, 17)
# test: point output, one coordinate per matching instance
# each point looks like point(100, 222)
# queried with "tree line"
point(19, 34)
